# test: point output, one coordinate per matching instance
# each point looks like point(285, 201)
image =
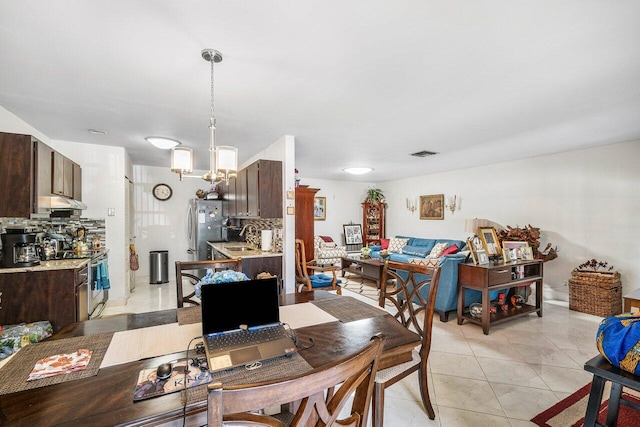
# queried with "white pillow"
point(396, 244)
point(437, 250)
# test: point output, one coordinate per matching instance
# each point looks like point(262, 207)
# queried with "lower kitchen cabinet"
point(59, 296)
point(268, 264)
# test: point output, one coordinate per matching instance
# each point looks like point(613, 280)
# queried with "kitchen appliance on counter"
point(19, 248)
point(204, 224)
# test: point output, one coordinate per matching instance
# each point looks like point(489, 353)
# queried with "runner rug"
point(570, 411)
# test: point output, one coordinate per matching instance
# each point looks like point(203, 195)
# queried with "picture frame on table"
point(352, 234)
point(527, 253)
point(472, 252)
point(483, 257)
point(490, 241)
point(432, 206)
point(319, 208)
point(518, 248)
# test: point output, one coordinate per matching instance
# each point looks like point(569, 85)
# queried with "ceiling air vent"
point(424, 153)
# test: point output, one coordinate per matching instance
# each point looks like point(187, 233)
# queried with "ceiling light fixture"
point(162, 142)
point(357, 171)
point(223, 160)
point(96, 132)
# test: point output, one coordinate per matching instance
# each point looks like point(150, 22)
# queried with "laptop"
point(241, 323)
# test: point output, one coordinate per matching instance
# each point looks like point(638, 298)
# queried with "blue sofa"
point(447, 296)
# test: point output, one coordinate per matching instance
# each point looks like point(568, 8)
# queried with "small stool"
point(602, 371)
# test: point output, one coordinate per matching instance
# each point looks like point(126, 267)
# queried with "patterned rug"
point(570, 411)
point(365, 287)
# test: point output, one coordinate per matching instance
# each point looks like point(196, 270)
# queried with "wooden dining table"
point(106, 399)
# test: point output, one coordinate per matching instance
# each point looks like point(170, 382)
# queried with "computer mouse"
point(164, 371)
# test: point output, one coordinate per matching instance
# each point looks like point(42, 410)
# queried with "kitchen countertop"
point(248, 251)
point(57, 264)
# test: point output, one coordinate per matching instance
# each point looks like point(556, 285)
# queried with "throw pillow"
point(396, 244)
point(450, 250)
point(384, 244)
point(326, 238)
point(422, 261)
point(437, 250)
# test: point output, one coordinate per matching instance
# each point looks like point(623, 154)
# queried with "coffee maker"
point(19, 248)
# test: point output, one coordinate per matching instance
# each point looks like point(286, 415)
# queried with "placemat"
point(13, 376)
point(189, 315)
point(272, 369)
point(348, 309)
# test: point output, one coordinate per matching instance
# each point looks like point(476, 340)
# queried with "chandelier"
point(223, 160)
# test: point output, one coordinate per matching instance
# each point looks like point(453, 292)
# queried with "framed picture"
point(483, 258)
point(490, 240)
point(517, 248)
point(527, 253)
point(432, 206)
point(472, 251)
point(319, 208)
point(353, 234)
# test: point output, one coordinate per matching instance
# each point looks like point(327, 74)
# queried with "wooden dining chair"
point(192, 271)
point(320, 402)
point(303, 278)
point(412, 283)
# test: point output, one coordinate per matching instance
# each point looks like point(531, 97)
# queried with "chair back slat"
point(412, 282)
point(188, 270)
point(355, 374)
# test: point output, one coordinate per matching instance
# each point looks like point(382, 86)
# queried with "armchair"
point(327, 252)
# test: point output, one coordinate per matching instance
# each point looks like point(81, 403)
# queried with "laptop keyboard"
point(224, 342)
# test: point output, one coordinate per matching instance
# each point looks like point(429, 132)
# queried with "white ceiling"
point(358, 82)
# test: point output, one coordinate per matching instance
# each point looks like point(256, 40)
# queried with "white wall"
point(161, 225)
point(343, 205)
point(103, 176)
point(586, 202)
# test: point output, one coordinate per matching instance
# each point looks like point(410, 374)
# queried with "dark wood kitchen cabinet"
point(19, 175)
point(258, 191)
point(63, 175)
point(59, 296)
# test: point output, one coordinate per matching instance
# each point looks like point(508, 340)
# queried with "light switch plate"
point(111, 212)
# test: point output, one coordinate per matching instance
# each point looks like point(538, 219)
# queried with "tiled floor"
point(502, 379)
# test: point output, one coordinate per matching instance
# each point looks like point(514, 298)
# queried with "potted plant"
point(374, 195)
point(365, 252)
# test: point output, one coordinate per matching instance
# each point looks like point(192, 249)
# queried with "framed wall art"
point(490, 240)
point(319, 208)
point(353, 234)
point(432, 206)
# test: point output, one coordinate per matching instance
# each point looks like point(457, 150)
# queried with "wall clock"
point(162, 192)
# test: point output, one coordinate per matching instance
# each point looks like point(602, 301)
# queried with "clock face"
point(162, 192)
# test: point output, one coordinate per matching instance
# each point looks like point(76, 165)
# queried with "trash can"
point(159, 267)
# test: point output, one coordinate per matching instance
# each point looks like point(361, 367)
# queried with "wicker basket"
point(597, 293)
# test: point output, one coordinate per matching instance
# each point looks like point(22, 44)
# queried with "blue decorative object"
point(618, 340)
point(321, 280)
point(219, 277)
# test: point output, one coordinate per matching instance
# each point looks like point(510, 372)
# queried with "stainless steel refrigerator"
point(204, 224)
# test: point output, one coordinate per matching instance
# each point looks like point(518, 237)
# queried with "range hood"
point(59, 203)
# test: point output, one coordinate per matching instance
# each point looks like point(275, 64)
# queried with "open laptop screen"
point(226, 306)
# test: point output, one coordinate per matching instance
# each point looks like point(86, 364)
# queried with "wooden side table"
point(493, 277)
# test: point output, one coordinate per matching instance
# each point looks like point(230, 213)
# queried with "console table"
point(497, 276)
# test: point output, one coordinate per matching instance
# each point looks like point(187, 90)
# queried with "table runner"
point(296, 315)
point(136, 344)
point(13, 376)
point(273, 369)
point(348, 309)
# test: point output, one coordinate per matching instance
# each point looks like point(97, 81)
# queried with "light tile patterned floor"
point(502, 379)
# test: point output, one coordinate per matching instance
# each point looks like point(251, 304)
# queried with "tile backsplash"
point(65, 226)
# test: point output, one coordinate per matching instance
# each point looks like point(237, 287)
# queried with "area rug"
point(570, 411)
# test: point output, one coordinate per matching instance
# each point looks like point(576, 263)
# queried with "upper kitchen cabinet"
point(18, 175)
point(229, 197)
point(258, 190)
point(64, 178)
point(77, 182)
